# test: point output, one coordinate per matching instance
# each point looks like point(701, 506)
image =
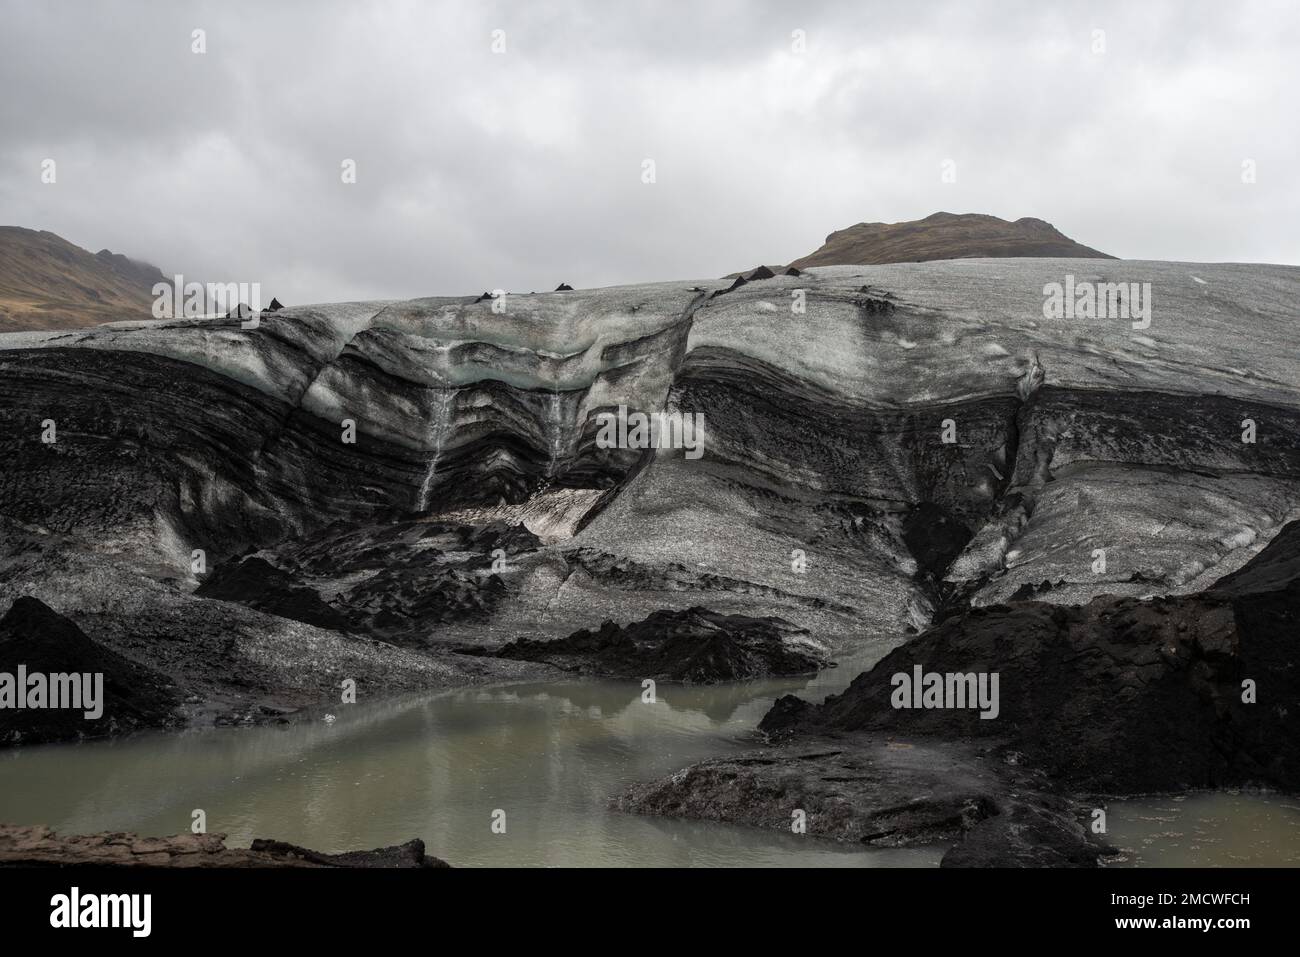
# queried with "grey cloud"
point(520, 170)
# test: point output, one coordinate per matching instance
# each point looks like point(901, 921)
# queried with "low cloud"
point(478, 170)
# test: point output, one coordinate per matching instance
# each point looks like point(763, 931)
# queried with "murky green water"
point(548, 755)
point(1211, 829)
point(437, 767)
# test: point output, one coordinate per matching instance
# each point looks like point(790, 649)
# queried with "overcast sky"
point(522, 169)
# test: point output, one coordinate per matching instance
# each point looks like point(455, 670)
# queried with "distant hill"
point(945, 236)
point(48, 283)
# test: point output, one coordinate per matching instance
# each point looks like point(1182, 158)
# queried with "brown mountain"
point(48, 283)
point(945, 236)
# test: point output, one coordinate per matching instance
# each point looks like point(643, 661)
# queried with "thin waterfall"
point(555, 426)
point(439, 427)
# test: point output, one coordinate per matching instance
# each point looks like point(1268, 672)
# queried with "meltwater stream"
point(548, 755)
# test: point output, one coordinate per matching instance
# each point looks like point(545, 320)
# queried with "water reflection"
point(549, 755)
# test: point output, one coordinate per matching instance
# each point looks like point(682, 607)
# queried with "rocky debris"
point(229, 663)
point(259, 584)
point(875, 302)
point(44, 642)
point(764, 272)
point(391, 581)
point(758, 273)
point(735, 284)
point(881, 793)
point(630, 576)
point(564, 287)
point(872, 306)
point(695, 646)
point(1116, 696)
point(38, 846)
point(240, 666)
point(259, 714)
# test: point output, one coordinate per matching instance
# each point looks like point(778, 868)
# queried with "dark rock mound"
point(736, 284)
point(275, 305)
point(1119, 695)
point(46, 643)
point(1274, 572)
point(792, 271)
point(259, 584)
point(564, 287)
point(696, 646)
point(883, 794)
point(874, 304)
point(761, 272)
point(1030, 590)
